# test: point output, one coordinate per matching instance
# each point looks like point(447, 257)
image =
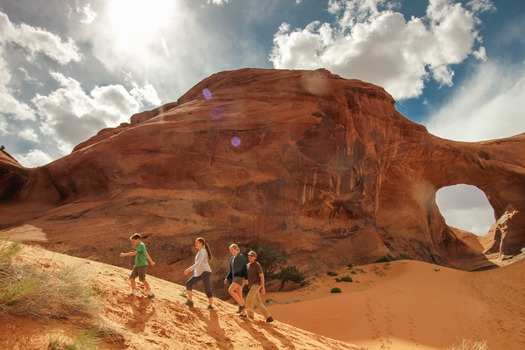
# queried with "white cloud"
point(71, 116)
point(181, 45)
point(217, 2)
point(3, 125)
point(466, 207)
point(33, 158)
point(490, 105)
point(88, 15)
point(481, 5)
point(28, 134)
point(374, 43)
point(36, 40)
point(9, 105)
point(145, 94)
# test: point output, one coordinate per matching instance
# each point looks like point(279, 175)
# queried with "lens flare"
point(218, 112)
point(236, 142)
point(207, 94)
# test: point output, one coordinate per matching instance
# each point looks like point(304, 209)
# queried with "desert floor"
point(412, 305)
point(397, 305)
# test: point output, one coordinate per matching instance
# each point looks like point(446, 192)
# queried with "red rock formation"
point(324, 166)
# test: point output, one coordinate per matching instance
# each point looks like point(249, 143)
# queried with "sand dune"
point(397, 305)
point(413, 305)
point(161, 323)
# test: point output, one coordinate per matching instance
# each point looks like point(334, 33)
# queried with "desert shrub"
point(290, 273)
point(335, 290)
point(332, 273)
point(83, 341)
point(27, 290)
point(389, 257)
point(345, 278)
point(349, 266)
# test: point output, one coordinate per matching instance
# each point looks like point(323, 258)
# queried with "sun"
point(137, 21)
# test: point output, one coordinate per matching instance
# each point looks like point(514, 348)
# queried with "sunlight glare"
point(136, 21)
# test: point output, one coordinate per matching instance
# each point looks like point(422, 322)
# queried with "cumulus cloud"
point(70, 115)
point(33, 158)
point(489, 105)
point(372, 42)
point(28, 134)
point(36, 40)
point(33, 41)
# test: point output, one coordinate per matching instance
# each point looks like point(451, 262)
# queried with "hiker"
point(236, 277)
point(256, 283)
point(141, 263)
point(201, 271)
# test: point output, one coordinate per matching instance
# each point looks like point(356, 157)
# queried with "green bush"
point(290, 273)
point(332, 273)
point(389, 257)
point(345, 278)
point(335, 290)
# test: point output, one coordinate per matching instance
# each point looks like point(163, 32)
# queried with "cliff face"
point(323, 166)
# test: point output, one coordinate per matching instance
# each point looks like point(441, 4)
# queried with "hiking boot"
point(242, 315)
point(151, 296)
point(242, 307)
point(269, 319)
point(189, 303)
point(210, 307)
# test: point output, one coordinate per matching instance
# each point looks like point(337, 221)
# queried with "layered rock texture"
point(322, 166)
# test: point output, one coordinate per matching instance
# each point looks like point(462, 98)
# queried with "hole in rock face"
point(465, 207)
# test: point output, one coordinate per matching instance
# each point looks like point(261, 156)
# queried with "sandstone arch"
point(331, 175)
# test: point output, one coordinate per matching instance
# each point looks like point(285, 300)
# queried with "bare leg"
point(146, 284)
point(239, 293)
point(133, 284)
point(190, 295)
point(233, 292)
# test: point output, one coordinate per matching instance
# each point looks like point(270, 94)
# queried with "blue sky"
point(71, 68)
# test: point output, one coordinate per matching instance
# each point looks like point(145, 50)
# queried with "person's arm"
point(133, 253)
point(261, 277)
point(229, 275)
point(151, 262)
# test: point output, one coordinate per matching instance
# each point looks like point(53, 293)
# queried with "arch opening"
point(465, 207)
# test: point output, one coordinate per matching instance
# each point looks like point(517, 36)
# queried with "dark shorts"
point(238, 280)
point(139, 271)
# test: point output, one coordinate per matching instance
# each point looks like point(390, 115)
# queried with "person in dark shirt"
point(256, 283)
point(236, 277)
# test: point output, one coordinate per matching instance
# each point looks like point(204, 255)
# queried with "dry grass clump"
point(82, 341)
point(30, 291)
point(468, 344)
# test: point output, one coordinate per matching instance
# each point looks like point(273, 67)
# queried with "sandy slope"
point(413, 305)
point(161, 323)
